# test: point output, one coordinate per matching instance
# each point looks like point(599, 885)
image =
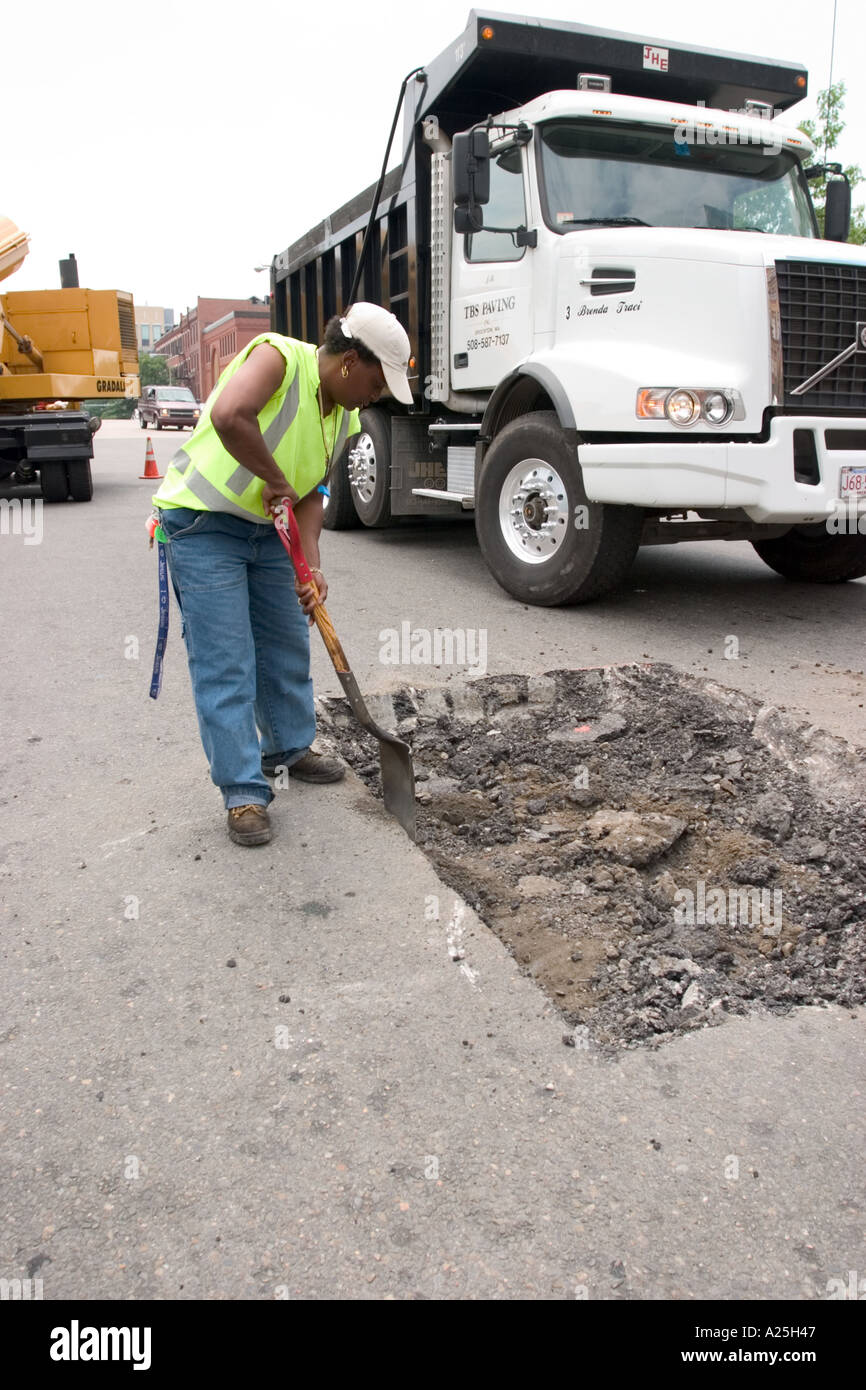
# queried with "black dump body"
point(475, 76)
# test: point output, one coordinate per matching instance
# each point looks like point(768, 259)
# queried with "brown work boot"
point(311, 767)
point(315, 767)
point(249, 825)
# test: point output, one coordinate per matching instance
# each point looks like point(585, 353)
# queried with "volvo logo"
point(858, 345)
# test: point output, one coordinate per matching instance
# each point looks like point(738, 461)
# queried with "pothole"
point(658, 852)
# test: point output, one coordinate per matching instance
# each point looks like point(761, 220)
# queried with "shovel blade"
point(398, 784)
point(395, 759)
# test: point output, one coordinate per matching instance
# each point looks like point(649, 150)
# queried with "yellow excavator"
point(58, 348)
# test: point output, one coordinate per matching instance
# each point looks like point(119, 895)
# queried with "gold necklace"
point(329, 454)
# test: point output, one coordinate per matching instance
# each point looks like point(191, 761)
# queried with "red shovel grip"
point(285, 522)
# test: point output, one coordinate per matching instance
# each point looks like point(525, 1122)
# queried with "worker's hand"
point(272, 495)
point(306, 596)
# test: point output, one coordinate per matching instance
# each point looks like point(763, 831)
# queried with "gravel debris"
point(658, 852)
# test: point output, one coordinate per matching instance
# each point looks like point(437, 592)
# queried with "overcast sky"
point(175, 146)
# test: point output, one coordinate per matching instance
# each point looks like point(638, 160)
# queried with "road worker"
point(279, 416)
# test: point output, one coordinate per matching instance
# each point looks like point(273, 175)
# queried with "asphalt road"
point(800, 646)
point(261, 1074)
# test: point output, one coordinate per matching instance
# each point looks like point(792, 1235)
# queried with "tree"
point(152, 369)
point(824, 134)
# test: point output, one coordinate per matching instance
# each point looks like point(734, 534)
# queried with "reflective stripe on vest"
point(202, 474)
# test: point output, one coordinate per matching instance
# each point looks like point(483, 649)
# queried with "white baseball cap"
point(384, 334)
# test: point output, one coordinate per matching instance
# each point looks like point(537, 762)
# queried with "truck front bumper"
point(757, 478)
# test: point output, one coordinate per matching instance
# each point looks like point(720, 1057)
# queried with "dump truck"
point(58, 348)
point(626, 327)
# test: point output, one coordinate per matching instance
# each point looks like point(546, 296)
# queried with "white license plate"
point(852, 482)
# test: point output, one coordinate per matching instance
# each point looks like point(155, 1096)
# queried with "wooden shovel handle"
point(287, 529)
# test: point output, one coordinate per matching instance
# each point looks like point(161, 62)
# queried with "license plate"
point(852, 482)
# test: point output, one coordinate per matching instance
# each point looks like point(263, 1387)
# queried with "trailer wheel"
point(543, 541)
point(815, 555)
point(338, 512)
point(369, 467)
point(80, 480)
point(53, 480)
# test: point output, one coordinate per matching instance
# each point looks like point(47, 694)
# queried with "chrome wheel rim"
point(362, 469)
point(533, 511)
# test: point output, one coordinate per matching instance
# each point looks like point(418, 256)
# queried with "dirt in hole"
point(644, 855)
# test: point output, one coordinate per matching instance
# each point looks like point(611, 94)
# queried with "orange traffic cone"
point(150, 469)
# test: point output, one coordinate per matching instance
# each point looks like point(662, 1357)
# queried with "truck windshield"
point(174, 393)
point(625, 176)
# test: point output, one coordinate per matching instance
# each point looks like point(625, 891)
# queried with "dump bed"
point(501, 61)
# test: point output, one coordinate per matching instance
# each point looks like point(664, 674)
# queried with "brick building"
point(208, 336)
point(223, 339)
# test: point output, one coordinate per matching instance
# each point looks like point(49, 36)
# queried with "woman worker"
point(279, 415)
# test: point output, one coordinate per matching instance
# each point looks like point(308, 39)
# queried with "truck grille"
point(821, 305)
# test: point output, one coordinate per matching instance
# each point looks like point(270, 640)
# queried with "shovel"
point(395, 758)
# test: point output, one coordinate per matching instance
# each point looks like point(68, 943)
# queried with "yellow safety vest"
point(203, 475)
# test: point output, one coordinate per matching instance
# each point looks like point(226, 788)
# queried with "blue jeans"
point(248, 645)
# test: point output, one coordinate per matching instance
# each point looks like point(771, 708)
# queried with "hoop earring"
point(345, 370)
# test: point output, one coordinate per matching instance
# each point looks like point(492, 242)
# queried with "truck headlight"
point(163, 411)
point(685, 405)
point(717, 409)
point(682, 407)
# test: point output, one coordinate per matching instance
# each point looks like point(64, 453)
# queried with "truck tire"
point(80, 480)
point(339, 510)
point(53, 480)
point(527, 495)
point(369, 468)
point(142, 422)
point(815, 555)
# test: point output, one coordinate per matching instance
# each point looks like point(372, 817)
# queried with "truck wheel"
point(339, 510)
point(158, 424)
point(543, 541)
point(369, 467)
point(142, 422)
point(80, 480)
point(815, 555)
point(54, 482)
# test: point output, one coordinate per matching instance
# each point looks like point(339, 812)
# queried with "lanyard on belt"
point(155, 531)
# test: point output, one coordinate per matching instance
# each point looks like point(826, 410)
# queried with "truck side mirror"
point(470, 161)
point(468, 220)
point(837, 210)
